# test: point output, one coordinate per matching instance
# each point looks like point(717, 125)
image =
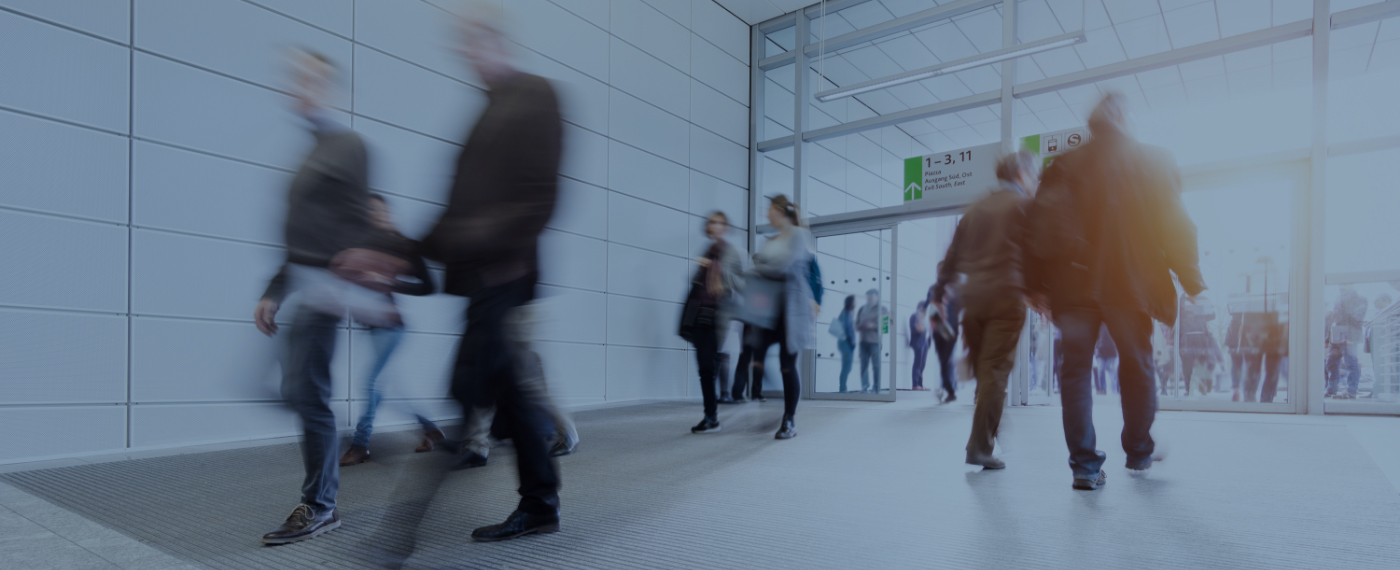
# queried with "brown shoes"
point(355, 456)
point(430, 441)
point(304, 523)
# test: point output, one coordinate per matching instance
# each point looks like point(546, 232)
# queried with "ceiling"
point(755, 11)
point(1117, 30)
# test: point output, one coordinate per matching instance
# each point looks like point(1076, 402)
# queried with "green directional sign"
point(913, 179)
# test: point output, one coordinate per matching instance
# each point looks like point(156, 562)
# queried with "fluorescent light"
point(979, 60)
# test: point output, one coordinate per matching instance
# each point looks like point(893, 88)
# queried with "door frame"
point(807, 365)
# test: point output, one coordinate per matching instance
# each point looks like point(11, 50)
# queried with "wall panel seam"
point(67, 27)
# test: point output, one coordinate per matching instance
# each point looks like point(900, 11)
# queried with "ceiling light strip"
point(964, 64)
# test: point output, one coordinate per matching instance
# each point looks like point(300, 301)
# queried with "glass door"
point(856, 332)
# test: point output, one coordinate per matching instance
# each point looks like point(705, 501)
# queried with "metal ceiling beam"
point(881, 30)
point(1365, 14)
point(789, 20)
point(880, 121)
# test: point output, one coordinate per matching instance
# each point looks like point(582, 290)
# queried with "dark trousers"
point(306, 386)
point(486, 373)
point(1273, 365)
point(743, 369)
point(1189, 361)
point(707, 360)
point(944, 348)
point(1132, 333)
point(787, 362)
point(920, 361)
point(991, 333)
point(869, 358)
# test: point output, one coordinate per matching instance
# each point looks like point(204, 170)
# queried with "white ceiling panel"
point(1250, 81)
point(1288, 11)
point(908, 52)
point(1080, 98)
point(752, 11)
point(947, 42)
point(913, 95)
point(1357, 36)
point(1044, 102)
point(1159, 77)
point(1174, 4)
point(1236, 62)
point(834, 27)
point(873, 61)
point(947, 122)
point(991, 132)
point(1339, 5)
point(1209, 67)
point(1036, 21)
point(936, 141)
point(983, 28)
point(1390, 30)
point(918, 128)
point(977, 116)
point(1080, 14)
point(1293, 50)
point(947, 87)
point(1166, 97)
point(1243, 16)
point(1386, 57)
point(1101, 49)
point(1206, 89)
point(981, 79)
point(1058, 62)
point(1028, 71)
point(881, 102)
point(1144, 37)
point(867, 14)
point(1125, 85)
point(901, 8)
point(1058, 118)
point(1192, 24)
point(1291, 74)
point(1122, 11)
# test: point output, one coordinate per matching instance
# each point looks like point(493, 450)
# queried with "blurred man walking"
point(1108, 232)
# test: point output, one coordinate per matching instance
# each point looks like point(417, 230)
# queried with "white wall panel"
point(650, 79)
point(30, 434)
point(414, 218)
point(187, 191)
point(647, 226)
point(62, 357)
point(595, 11)
point(405, 412)
point(638, 373)
point(571, 315)
point(641, 273)
point(570, 260)
point(403, 94)
point(36, 168)
point(585, 156)
point(574, 370)
point(62, 263)
point(60, 73)
point(644, 175)
point(720, 114)
point(336, 16)
point(581, 209)
point(718, 156)
point(644, 322)
point(583, 98)
point(420, 367)
point(642, 125)
point(713, 23)
point(637, 23)
point(233, 37)
point(170, 425)
point(416, 31)
point(709, 194)
point(182, 105)
point(186, 360)
point(678, 10)
point(180, 275)
point(107, 18)
point(408, 163)
point(564, 37)
point(717, 69)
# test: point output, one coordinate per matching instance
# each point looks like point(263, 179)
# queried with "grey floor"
point(864, 486)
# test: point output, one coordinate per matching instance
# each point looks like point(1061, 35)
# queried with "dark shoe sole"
point(699, 431)
point(546, 529)
point(352, 463)
point(789, 435)
point(1089, 484)
point(319, 532)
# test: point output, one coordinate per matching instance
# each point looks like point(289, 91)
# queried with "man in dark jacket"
point(502, 195)
point(328, 236)
point(987, 248)
point(1108, 232)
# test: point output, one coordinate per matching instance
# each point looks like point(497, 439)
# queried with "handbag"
point(760, 303)
point(690, 313)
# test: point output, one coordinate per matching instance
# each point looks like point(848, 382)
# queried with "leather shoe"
point(354, 456)
point(431, 439)
point(304, 523)
point(517, 525)
point(468, 460)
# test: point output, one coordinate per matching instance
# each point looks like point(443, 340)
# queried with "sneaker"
point(1140, 467)
point(989, 462)
point(563, 446)
point(788, 429)
point(707, 425)
point(1084, 484)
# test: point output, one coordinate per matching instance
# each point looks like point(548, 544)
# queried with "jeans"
point(991, 334)
point(476, 433)
point(385, 340)
point(848, 357)
point(707, 360)
point(1346, 355)
point(944, 348)
point(488, 375)
point(787, 362)
point(306, 386)
point(869, 358)
point(920, 361)
point(1132, 333)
